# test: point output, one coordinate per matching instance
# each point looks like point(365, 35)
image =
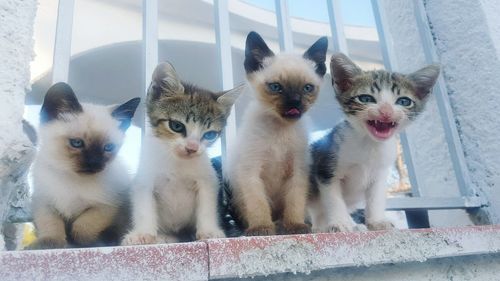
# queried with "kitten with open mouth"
point(351, 163)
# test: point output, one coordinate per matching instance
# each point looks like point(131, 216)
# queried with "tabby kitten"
point(174, 197)
point(80, 189)
point(267, 170)
point(351, 163)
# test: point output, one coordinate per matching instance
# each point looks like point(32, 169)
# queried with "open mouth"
point(293, 113)
point(381, 130)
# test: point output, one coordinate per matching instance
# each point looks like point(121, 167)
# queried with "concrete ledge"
point(250, 256)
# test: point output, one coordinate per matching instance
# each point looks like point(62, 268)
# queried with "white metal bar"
point(433, 203)
point(390, 64)
point(443, 102)
point(284, 28)
point(223, 44)
point(62, 45)
point(337, 26)
point(149, 40)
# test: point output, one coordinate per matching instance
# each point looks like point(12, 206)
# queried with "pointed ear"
point(256, 51)
point(317, 53)
point(165, 81)
point(228, 98)
point(59, 99)
point(125, 112)
point(424, 79)
point(343, 71)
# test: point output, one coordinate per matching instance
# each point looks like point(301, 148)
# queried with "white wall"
point(16, 52)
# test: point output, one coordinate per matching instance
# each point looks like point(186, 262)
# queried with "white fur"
point(172, 192)
point(57, 185)
point(360, 175)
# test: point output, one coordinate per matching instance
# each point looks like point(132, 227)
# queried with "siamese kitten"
point(80, 189)
point(267, 169)
point(351, 163)
point(175, 194)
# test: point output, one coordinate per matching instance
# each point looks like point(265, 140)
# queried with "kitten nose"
point(386, 111)
point(192, 146)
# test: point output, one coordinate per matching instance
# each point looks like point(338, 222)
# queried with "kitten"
point(80, 188)
point(174, 197)
point(267, 169)
point(351, 163)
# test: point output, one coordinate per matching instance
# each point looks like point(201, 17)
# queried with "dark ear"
point(165, 81)
point(256, 51)
point(343, 71)
point(424, 79)
point(59, 99)
point(317, 53)
point(125, 112)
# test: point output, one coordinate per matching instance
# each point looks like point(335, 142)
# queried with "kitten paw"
point(297, 228)
point(380, 225)
point(140, 239)
point(209, 234)
point(263, 230)
point(47, 243)
point(340, 227)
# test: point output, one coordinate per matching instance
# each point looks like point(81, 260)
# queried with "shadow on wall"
point(113, 73)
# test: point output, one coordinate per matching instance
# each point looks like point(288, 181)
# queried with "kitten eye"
point(109, 147)
point(176, 126)
point(275, 87)
point(308, 88)
point(210, 135)
point(404, 101)
point(76, 143)
point(366, 99)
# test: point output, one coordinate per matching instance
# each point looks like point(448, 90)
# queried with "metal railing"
point(465, 200)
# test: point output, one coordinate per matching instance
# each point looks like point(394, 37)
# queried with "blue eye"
point(76, 143)
point(109, 147)
point(176, 126)
point(210, 135)
point(366, 99)
point(308, 88)
point(275, 87)
point(404, 101)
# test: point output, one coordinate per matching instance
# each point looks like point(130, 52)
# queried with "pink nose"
point(192, 146)
point(386, 111)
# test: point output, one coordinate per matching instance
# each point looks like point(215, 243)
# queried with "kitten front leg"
point(336, 211)
point(251, 201)
point(207, 226)
point(295, 204)
point(50, 229)
point(375, 204)
point(87, 227)
point(144, 218)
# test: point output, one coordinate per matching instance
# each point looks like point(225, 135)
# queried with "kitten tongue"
point(292, 112)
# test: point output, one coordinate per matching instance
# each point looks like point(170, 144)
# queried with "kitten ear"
point(317, 53)
point(256, 51)
point(424, 79)
point(125, 112)
point(59, 99)
point(343, 71)
point(165, 81)
point(228, 98)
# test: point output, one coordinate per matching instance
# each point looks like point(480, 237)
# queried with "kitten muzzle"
point(381, 130)
point(293, 113)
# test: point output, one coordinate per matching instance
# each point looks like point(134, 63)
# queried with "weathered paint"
point(188, 261)
point(256, 256)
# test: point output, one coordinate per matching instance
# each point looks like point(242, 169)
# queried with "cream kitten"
point(267, 168)
point(351, 163)
point(80, 189)
point(176, 187)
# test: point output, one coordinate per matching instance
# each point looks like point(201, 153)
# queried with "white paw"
point(134, 238)
point(380, 225)
point(360, 228)
point(203, 234)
